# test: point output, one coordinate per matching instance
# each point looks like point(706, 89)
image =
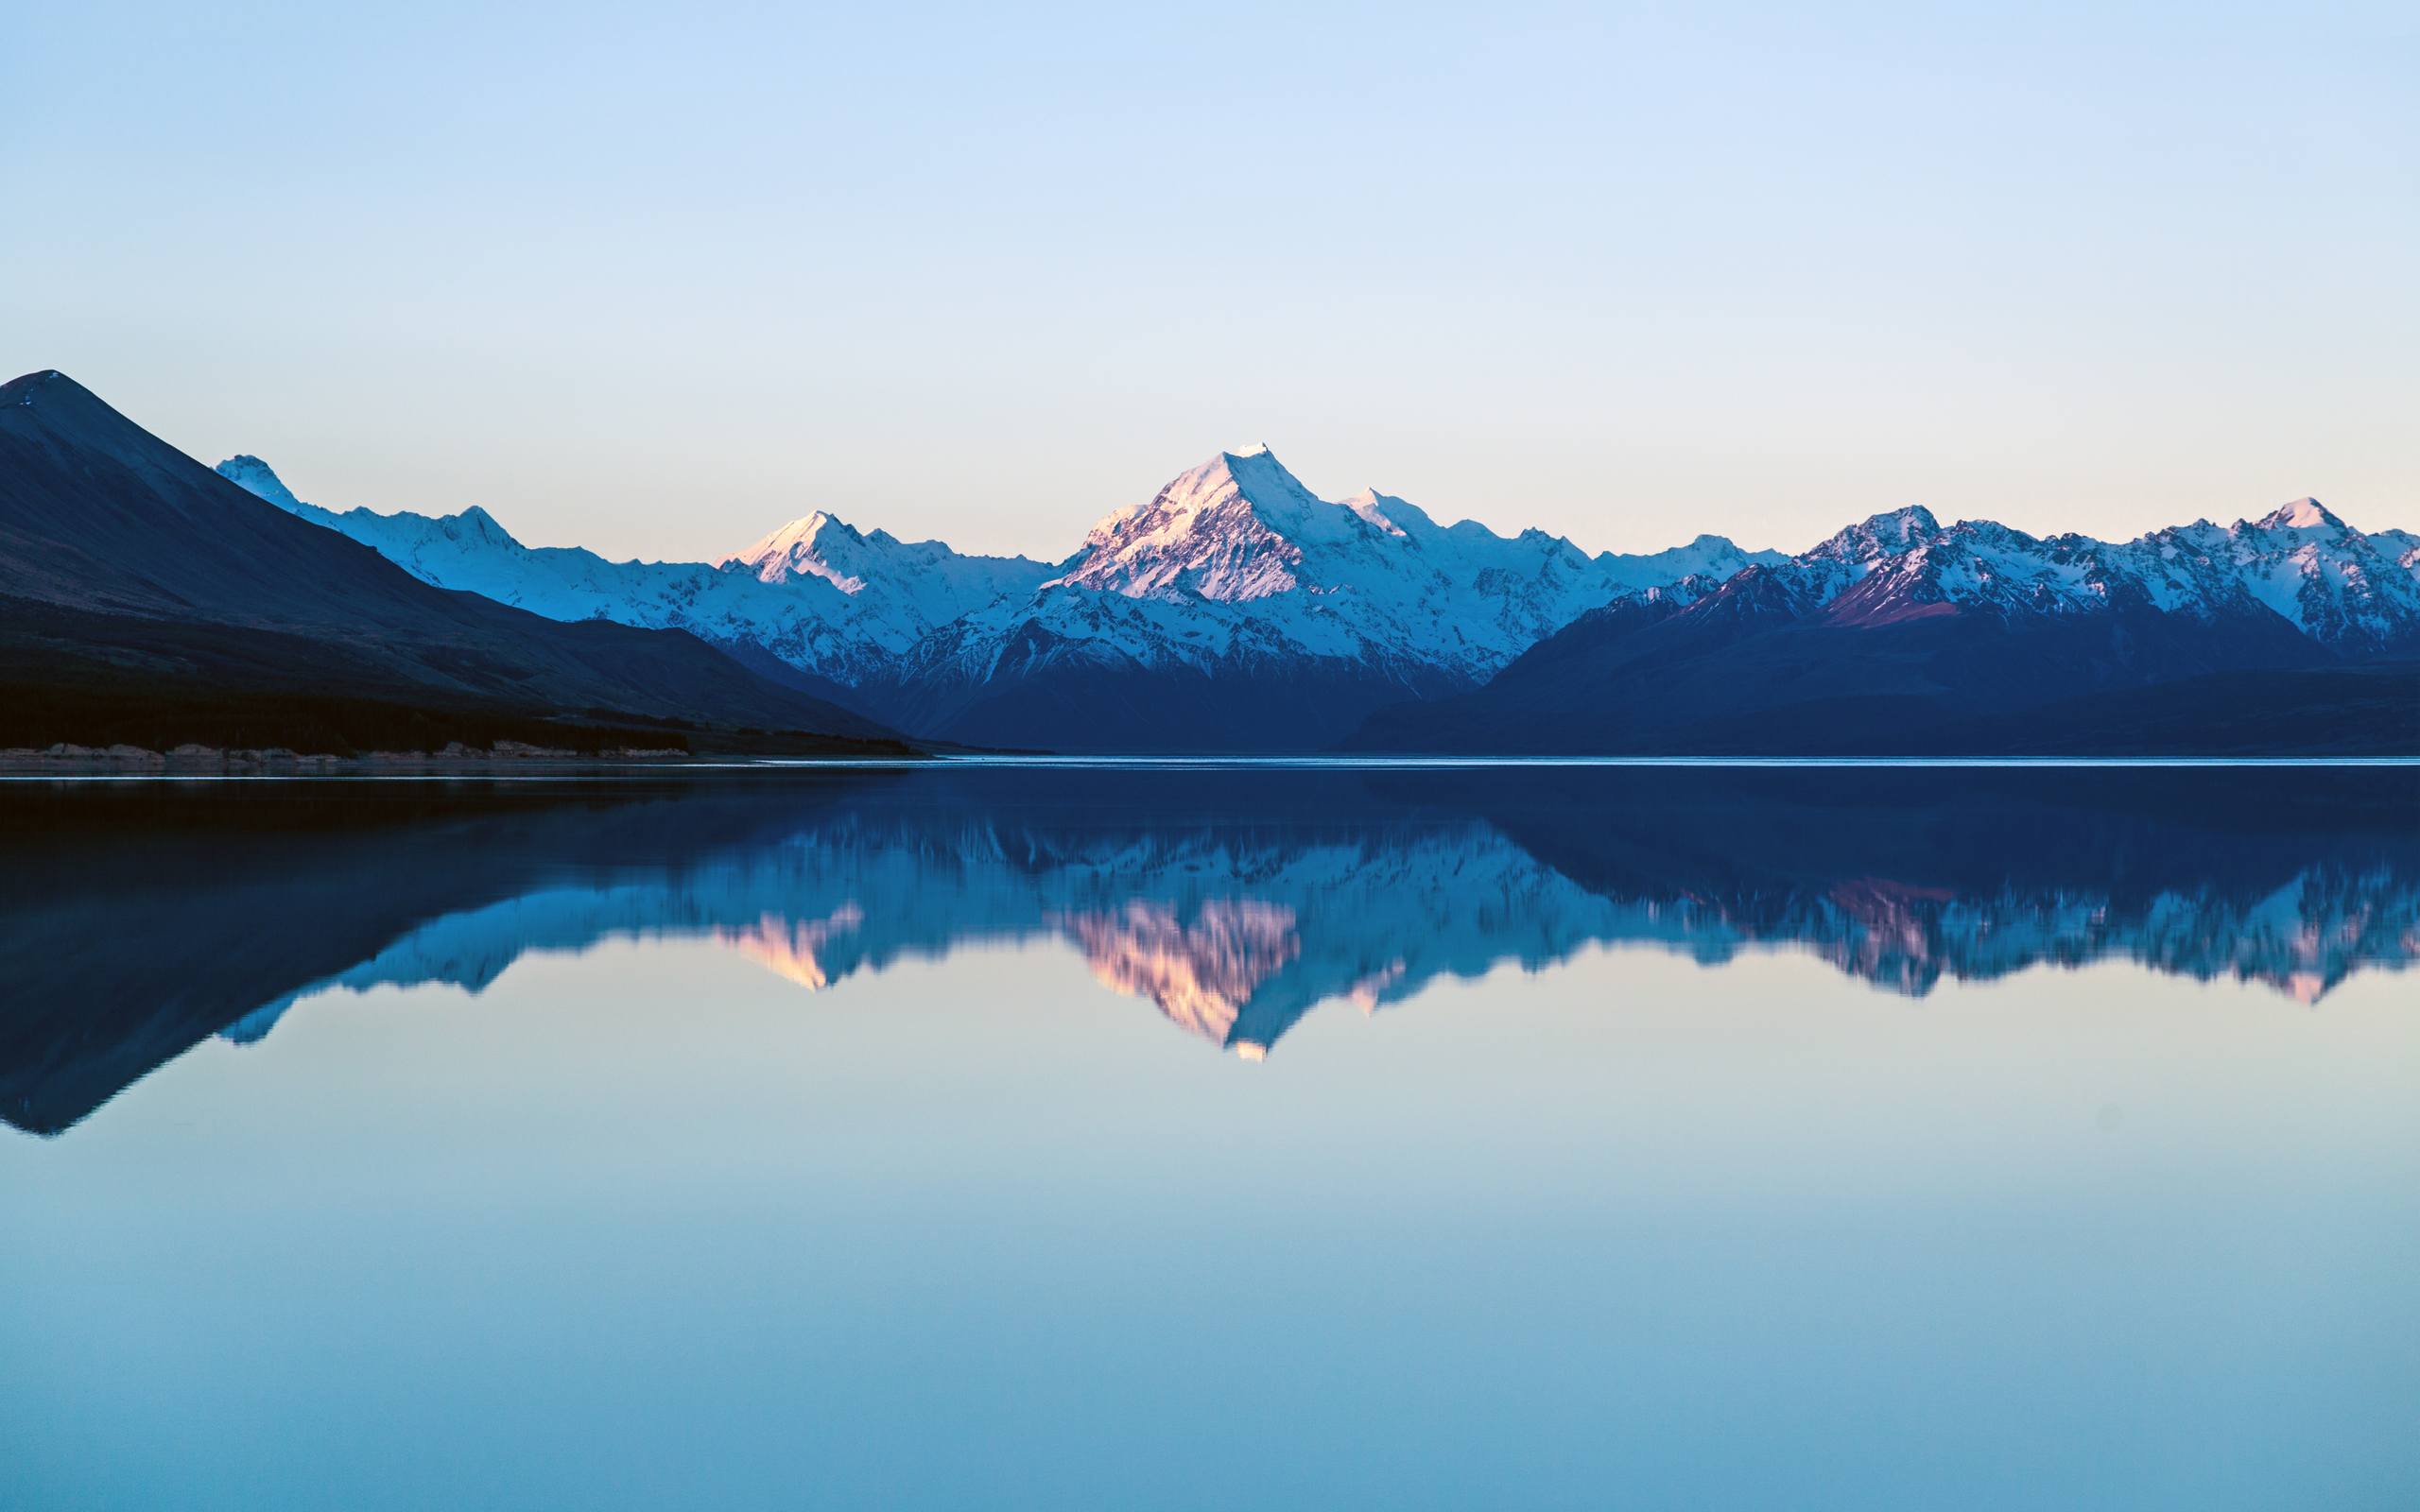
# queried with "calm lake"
point(1226, 1136)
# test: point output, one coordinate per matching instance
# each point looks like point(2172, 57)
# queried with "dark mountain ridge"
point(137, 583)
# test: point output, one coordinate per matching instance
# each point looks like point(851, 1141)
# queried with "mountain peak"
point(1257, 474)
point(815, 525)
point(67, 411)
point(2303, 514)
point(258, 479)
point(1886, 534)
point(23, 391)
point(1396, 516)
point(1913, 520)
point(805, 546)
point(1228, 529)
point(482, 525)
point(1254, 478)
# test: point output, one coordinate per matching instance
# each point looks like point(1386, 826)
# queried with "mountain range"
point(2291, 633)
point(1233, 611)
point(146, 598)
point(1238, 611)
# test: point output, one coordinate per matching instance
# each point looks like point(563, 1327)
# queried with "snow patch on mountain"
point(835, 604)
point(1237, 563)
point(1235, 569)
point(255, 476)
point(925, 576)
point(1234, 565)
point(2350, 592)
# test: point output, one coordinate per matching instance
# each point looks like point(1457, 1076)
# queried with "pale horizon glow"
point(655, 282)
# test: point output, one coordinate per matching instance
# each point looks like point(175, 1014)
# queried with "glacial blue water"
point(1130, 1137)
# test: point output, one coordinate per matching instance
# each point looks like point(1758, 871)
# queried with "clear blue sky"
point(654, 278)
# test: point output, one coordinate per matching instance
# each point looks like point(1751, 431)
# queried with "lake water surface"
point(1214, 1138)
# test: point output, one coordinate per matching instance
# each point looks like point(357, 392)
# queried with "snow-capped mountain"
point(1265, 614)
point(2327, 580)
point(925, 583)
point(1372, 575)
point(1237, 610)
point(213, 618)
point(816, 594)
point(1900, 633)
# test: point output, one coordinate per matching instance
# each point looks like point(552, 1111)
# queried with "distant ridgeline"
point(1233, 901)
point(146, 599)
point(1238, 612)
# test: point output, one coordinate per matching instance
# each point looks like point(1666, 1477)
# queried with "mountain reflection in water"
point(140, 920)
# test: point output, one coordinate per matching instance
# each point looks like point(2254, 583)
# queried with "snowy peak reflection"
point(1235, 903)
point(793, 948)
point(1237, 923)
point(1201, 972)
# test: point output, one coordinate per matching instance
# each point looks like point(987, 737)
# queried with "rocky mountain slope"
point(1237, 611)
point(1901, 635)
point(133, 576)
point(816, 594)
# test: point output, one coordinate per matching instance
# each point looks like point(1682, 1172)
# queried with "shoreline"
point(277, 761)
point(516, 759)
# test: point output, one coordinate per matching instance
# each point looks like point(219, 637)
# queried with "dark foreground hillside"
point(144, 599)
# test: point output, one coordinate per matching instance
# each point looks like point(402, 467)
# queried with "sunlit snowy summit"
point(1236, 609)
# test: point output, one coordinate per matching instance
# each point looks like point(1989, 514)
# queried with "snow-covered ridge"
point(927, 579)
point(1385, 579)
point(1236, 573)
point(1235, 558)
point(815, 594)
point(2343, 589)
